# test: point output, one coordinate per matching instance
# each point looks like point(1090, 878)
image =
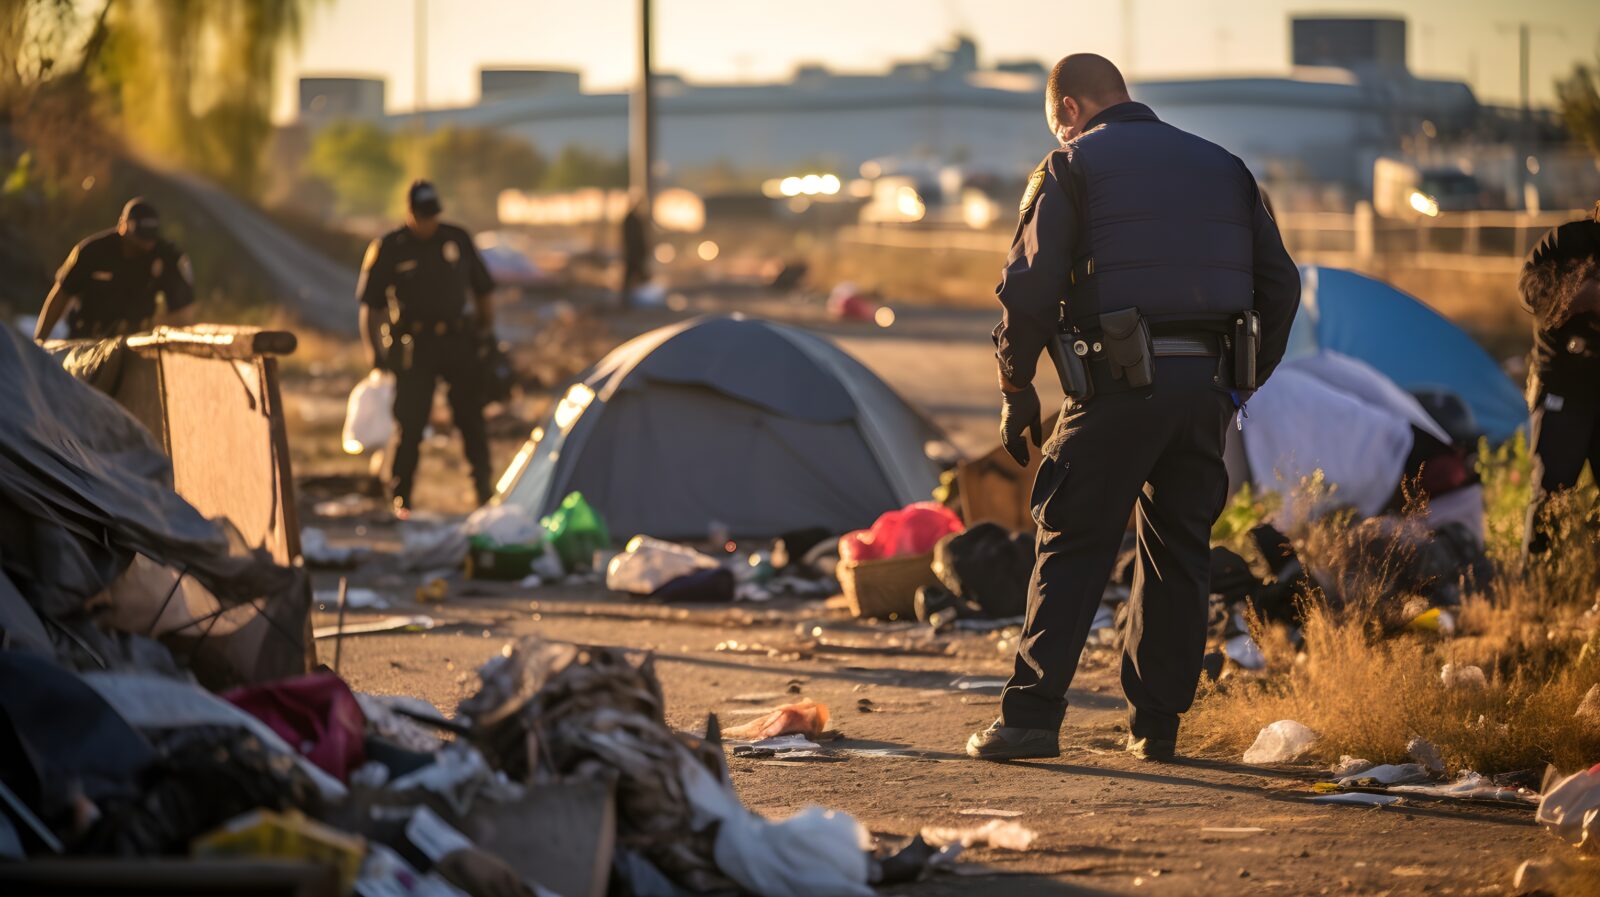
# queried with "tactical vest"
point(1166, 224)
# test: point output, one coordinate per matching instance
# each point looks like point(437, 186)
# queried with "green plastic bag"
point(576, 532)
point(487, 559)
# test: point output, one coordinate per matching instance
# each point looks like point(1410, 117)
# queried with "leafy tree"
point(358, 160)
point(187, 80)
point(1578, 96)
point(580, 167)
point(470, 166)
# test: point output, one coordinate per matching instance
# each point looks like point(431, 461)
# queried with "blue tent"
point(1412, 344)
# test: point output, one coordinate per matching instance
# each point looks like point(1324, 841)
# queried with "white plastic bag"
point(1570, 809)
point(505, 524)
point(647, 564)
point(1280, 742)
point(369, 415)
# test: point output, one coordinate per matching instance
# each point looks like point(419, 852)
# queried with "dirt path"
point(1107, 824)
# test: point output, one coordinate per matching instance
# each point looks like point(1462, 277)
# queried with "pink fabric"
point(914, 529)
point(316, 714)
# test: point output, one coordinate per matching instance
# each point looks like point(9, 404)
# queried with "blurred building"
point(327, 98)
point(497, 83)
point(1313, 133)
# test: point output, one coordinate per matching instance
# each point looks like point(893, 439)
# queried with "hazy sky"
point(728, 40)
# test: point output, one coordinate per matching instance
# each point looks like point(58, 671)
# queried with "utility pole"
point(1128, 38)
point(642, 120)
point(1524, 141)
point(419, 85)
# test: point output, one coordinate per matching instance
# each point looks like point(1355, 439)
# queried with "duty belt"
point(436, 328)
point(1187, 345)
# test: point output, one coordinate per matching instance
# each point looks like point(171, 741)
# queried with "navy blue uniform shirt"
point(117, 292)
point(1036, 280)
point(429, 281)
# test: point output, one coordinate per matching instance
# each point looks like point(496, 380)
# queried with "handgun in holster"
point(1246, 343)
point(1070, 366)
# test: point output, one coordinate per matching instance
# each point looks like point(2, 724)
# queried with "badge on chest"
point(451, 252)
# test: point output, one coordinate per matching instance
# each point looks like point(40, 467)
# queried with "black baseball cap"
point(142, 218)
point(423, 200)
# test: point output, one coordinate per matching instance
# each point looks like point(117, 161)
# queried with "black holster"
point(1246, 343)
point(1071, 368)
point(1126, 337)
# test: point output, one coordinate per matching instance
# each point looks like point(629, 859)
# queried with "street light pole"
point(642, 120)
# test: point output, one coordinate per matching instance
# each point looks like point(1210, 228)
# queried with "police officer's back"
point(426, 313)
point(1560, 285)
point(1145, 263)
point(120, 281)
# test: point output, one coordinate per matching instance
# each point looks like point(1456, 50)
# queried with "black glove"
point(1018, 415)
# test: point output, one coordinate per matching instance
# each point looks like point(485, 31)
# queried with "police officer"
point(414, 290)
point(1560, 285)
point(1146, 264)
point(121, 281)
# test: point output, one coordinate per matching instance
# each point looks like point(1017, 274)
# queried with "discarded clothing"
point(318, 713)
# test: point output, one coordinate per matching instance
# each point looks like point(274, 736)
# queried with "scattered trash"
point(266, 834)
point(1434, 619)
point(504, 524)
point(317, 552)
point(987, 685)
point(382, 713)
point(369, 418)
point(646, 565)
point(1001, 833)
point(1349, 766)
point(317, 713)
point(1281, 742)
point(989, 811)
point(531, 581)
point(433, 591)
point(418, 623)
point(1589, 707)
point(803, 718)
point(1570, 809)
point(914, 529)
point(1462, 676)
point(355, 599)
point(346, 506)
point(432, 546)
point(714, 586)
point(784, 743)
point(1472, 786)
point(570, 712)
point(1243, 650)
point(1534, 877)
point(1357, 798)
point(576, 532)
point(1422, 751)
point(1388, 774)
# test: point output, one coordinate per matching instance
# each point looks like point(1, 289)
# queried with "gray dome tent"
point(759, 427)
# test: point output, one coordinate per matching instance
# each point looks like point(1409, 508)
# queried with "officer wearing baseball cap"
point(121, 281)
point(414, 290)
point(1560, 285)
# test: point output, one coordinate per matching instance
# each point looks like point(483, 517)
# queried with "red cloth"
point(316, 714)
point(914, 529)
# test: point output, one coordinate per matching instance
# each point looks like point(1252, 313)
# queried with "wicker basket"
point(886, 589)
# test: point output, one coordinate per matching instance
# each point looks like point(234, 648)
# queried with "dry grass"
point(1367, 684)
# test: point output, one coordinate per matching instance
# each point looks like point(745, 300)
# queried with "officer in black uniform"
point(1560, 284)
point(414, 290)
point(1146, 264)
point(121, 281)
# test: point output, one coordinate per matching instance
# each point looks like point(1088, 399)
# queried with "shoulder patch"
point(1035, 181)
